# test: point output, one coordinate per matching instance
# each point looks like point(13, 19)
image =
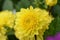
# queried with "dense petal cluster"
point(6, 18)
point(30, 22)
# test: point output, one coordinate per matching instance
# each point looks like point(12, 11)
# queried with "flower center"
point(30, 21)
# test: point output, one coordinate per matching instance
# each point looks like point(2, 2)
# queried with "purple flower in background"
point(56, 37)
point(50, 38)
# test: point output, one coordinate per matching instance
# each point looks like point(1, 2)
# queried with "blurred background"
point(18, 4)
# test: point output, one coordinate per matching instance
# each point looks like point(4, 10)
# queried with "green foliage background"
point(18, 4)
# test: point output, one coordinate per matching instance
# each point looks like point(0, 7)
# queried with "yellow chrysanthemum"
point(30, 22)
point(6, 18)
point(51, 2)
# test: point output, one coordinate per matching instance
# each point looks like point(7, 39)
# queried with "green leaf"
point(8, 5)
point(25, 3)
point(58, 24)
point(22, 4)
point(12, 37)
point(9, 31)
point(56, 10)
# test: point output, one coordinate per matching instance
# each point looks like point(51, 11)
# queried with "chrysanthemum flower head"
point(6, 18)
point(51, 2)
point(30, 22)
